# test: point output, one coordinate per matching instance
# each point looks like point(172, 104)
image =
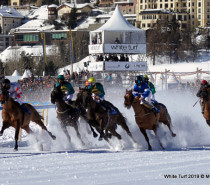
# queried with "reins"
point(62, 112)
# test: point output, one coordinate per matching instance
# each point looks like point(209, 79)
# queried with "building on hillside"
point(126, 6)
point(195, 13)
point(9, 18)
point(82, 9)
point(103, 18)
point(26, 2)
point(5, 41)
point(106, 3)
point(52, 12)
point(31, 38)
point(4, 2)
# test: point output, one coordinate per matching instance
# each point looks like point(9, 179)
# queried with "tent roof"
point(117, 22)
point(25, 74)
point(15, 73)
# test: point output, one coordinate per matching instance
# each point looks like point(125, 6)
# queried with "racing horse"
point(206, 113)
point(99, 118)
point(145, 118)
point(13, 116)
point(66, 114)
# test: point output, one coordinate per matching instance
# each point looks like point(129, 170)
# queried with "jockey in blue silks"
point(141, 90)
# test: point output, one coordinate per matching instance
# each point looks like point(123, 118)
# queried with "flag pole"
point(71, 49)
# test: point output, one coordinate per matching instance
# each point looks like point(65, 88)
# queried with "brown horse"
point(13, 116)
point(206, 114)
point(66, 114)
point(145, 118)
point(99, 118)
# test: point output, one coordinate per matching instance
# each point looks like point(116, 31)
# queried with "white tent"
point(25, 75)
point(118, 27)
point(15, 73)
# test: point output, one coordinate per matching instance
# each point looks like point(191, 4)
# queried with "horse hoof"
point(100, 138)
point(174, 135)
point(95, 135)
point(54, 137)
point(15, 149)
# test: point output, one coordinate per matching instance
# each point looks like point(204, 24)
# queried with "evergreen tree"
point(72, 19)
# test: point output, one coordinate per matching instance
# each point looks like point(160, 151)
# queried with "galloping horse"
point(99, 118)
point(13, 116)
point(66, 114)
point(206, 114)
point(145, 118)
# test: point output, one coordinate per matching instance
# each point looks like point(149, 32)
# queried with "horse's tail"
point(167, 113)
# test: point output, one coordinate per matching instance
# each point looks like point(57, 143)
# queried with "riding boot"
point(155, 110)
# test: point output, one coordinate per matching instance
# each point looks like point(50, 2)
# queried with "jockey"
point(15, 93)
point(97, 89)
point(152, 88)
point(66, 88)
point(203, 94)
point(98, 93)
point(142, 90)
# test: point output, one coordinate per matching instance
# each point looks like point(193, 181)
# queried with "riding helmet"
point(91, 80)
point(138, 79)
point(61, 77)
point(204, 82)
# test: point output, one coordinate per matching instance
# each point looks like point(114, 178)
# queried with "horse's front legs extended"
point(143, 131)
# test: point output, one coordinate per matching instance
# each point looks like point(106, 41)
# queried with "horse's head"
point(4, 95)
point(128, 99)
point(56, 94)
point(83, 97)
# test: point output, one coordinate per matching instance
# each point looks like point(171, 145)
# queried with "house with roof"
point(9, 18)
point(82, 9)
point(26, 2)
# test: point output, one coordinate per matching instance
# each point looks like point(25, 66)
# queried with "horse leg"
point(66, 132)
point(113, 132)
point(155, 131)
point(41, 124)
point(167, 123)
point(4, 127)
point(208, 122)
point(90, 123)
point(143, 131)
point(75, 125)
point(125, 127)
point(93, 131)
point(17, 129)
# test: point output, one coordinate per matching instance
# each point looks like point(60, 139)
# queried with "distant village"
point(54, 23)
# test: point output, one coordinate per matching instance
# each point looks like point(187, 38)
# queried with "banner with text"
point(95, 48)
point(96, 66)
point(125, 66)
point(125, 48)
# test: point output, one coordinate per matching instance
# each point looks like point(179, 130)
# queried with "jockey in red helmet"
point(203, 94)
point(204, 82)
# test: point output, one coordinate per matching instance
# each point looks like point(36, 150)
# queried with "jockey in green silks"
point(97, 89)
point(66, 88)
point(98, 95)
point(151, 87)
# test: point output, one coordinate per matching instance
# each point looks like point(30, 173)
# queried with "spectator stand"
point(114, 54)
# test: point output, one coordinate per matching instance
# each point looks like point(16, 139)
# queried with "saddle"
point(110, 108)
